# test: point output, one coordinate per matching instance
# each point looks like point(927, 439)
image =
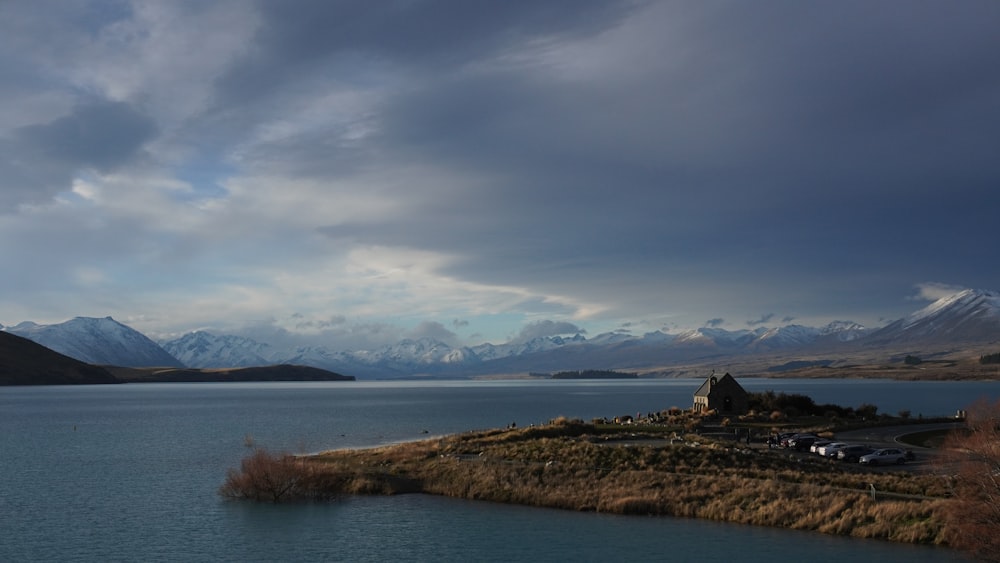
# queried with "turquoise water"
point(130, 473)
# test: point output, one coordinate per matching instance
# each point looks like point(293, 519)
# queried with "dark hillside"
point(23, 362)
point(282, 372)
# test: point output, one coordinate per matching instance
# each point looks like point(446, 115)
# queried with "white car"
point(817, 444)
point(886, 456)
point(828, 448)
point(833, 449)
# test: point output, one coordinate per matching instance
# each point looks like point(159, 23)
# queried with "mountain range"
point(970, 318)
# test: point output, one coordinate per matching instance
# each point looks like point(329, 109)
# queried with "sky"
point(354, 173)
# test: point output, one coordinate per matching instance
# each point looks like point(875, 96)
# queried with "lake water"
point(130, 473)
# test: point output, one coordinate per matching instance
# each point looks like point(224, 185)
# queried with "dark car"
point(801, 442)
point(852, 453)
point(784, 437)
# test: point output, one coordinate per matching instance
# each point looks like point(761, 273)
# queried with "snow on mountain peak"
point(964, 316)
point(967, 303)
point(788, 335)
point(844, 331)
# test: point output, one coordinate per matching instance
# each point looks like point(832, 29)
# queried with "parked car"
point(801, 442)
point(832, 447)
point(817, 444)
point(884, 456)
point(852, 453)
point(785, 437)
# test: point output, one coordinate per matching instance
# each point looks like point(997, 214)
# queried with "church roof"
point(706, 387)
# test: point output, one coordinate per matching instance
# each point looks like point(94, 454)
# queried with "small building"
point(723, 394)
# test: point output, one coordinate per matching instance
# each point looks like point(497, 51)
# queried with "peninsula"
point(621, 469)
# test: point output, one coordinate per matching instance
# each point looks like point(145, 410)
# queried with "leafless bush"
point(263, 476)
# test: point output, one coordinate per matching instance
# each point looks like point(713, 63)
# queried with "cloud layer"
point(359, 172)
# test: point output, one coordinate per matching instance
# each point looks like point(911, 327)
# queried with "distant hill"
point(593, 374)
point(261, 373)
point(23, 362)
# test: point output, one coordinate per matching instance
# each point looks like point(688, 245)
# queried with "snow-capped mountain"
point(844, 331)
point(97, 341)
point(425, 351)
point(611, 338)
point(786, 336)
point(487, 352)
point(715, 337)
point(202, 349)
point(658, 337)
point(972, 314)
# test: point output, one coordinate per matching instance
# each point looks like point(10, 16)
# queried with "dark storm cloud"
point(399, 50)
point(312, 35)
point(764, 319)
point(796, 137)
point(818, 92)
point(42, 159)
point(767, 144)
point(101, 135)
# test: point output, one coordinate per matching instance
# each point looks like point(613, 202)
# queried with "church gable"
point(723, 394)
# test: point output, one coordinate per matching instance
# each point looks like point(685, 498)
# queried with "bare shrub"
point(566, 421)
point(264, 476)
point(633, 505)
